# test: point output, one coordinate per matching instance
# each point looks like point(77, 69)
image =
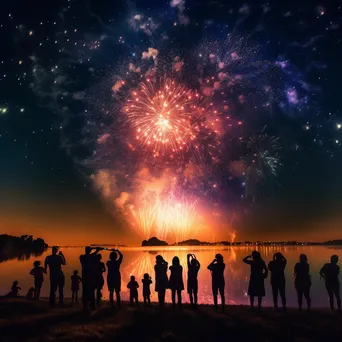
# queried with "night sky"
point(59, 61)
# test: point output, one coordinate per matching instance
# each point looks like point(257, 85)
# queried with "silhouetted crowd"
point(93, 268)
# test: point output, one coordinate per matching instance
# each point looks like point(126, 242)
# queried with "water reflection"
point(21, 256)
point(138, 261)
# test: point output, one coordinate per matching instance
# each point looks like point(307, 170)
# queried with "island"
point(153, 241)
point(333, 242)
point(12, 247)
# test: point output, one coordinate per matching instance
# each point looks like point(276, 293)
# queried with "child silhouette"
point(38, 274)
point(14, 289)
point(146, 288)
point(75, 286)
point(133, 290)
point(31, 293)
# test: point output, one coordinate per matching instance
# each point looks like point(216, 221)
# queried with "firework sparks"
point(176, 218)
point(165, 215)
point(192, 114)
point(145, 216)
point(267, 158)
point(163, 118)
point(262, 161)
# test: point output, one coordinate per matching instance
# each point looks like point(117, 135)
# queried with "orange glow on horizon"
point(81, 227)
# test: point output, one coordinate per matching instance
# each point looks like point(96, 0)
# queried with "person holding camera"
point(259, 273)
point(278, 281)
point(216, 268)
point(162, 280)
point(89, 262)
point(193, 268)
point(114, 276)
point(57, 280)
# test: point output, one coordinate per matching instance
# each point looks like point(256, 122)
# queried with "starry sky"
point(44, 190)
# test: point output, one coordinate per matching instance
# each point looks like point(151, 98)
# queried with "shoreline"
point(202, 246)
point(168, 305)
point(105, 302)
point(28, 320)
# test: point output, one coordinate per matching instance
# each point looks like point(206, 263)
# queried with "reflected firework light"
point(143, 264)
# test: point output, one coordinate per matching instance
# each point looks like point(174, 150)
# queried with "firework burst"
point(164, 215)
point(165, 119)
point(193, 113)
point(263, 160)
point(145, 216)
point(175, 218)
point(266, 150)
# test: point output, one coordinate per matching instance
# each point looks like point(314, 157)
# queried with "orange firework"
point(145, 216)
point(175, 218)
point(164, 118)
point(164, 215)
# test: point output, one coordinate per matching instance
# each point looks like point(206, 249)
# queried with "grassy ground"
point(35, 321)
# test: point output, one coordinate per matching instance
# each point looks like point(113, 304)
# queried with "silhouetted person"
point(216, 268)
point(278, 282)
point(147, 281)
point(38, 274)
point(89, 261)
point(75, 286)
point(259, 273)
point(30, 293)
point(100, 269)
point(14, 289)
point(160, 269)
point(133, 290)
point(176, 281)
point(193, 268)
point(303, 281)
point(114, 276)
point(329, 273)
point(57, 280)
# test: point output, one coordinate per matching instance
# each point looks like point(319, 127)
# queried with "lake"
point(140, 260)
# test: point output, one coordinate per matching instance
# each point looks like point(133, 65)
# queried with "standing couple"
point(92, 278)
